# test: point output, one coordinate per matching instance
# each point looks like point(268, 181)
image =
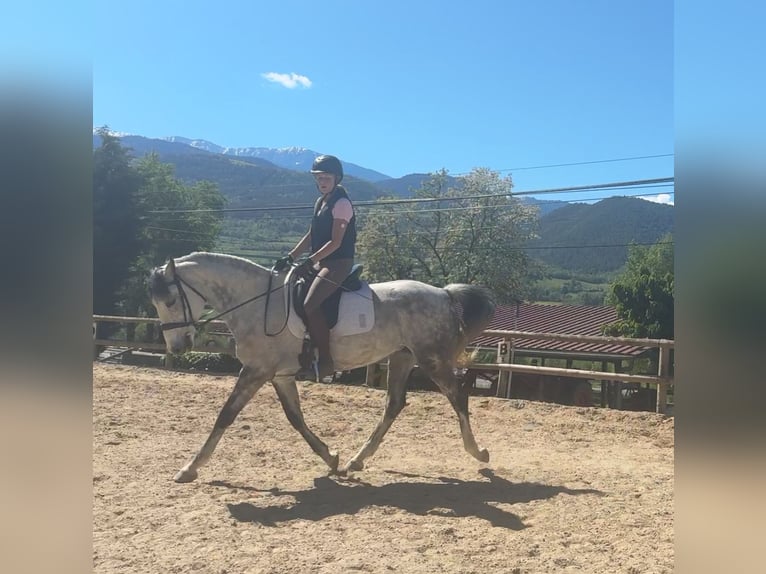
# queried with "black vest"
point(321, 227)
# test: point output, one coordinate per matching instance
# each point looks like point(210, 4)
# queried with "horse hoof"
point(483, 455)
point(334, 460)
point(185, 475)
point(354, 465)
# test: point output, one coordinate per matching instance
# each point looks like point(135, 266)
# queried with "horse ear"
point(170, 270)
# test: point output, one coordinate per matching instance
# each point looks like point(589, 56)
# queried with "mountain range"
point(595, 238)
point(294, 158)
point(259, 177)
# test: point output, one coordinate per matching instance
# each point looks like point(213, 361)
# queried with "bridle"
point(189, 321)
point(185, 305)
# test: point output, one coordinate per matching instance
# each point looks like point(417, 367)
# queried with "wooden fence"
point(662, 380)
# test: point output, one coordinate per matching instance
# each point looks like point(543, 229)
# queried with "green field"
point(569, 291)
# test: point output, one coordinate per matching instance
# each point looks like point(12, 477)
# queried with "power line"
point(569, 201)
point(538, 247)
point(521, 248)
point(587, 162)
point(602, 186)
point(242, 243)
point(384, 202)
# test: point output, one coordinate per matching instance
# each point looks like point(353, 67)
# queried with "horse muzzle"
point(181, 344)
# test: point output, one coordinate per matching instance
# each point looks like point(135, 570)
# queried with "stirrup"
point(330, 373)
point(308, 373)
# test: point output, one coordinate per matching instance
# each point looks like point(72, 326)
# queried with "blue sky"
point(402, 87)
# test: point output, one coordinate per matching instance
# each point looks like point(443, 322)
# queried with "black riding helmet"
point(328, 164)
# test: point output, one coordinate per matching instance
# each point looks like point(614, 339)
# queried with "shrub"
point(207, 362)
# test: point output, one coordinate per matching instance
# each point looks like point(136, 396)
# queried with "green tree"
point(197, 225)
point(128, 239)
point(643, 293)
point(452, 240)
point(116, 221)
point(163, 236)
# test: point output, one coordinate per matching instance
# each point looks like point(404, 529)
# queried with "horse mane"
point(158, 283)
point(217, 258)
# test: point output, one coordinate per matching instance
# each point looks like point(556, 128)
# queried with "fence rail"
point(662, 380)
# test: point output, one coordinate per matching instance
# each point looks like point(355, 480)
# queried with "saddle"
point(330, 305)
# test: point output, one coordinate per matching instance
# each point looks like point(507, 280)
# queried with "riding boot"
point(320, 337)
point(320, 333)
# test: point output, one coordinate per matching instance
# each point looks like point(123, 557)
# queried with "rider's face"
point(325, 182)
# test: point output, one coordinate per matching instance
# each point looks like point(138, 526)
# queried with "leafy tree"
point(176, 234)
point(172, 235)
point(453, 240)
point(643, 293)
point(128, 240)
point(116, 221)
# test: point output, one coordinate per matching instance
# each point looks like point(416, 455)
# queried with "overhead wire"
point(552, 165)
point(636, 184)
point(236, 241)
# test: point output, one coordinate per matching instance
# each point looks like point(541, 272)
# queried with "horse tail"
point(478, 307)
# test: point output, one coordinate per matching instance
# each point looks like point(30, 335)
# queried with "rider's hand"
point(283, 263)
point(305, 268)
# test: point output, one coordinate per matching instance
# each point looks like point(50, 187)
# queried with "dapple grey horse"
point(414, 322)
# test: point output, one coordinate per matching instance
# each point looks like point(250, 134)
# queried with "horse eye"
point(170, 303)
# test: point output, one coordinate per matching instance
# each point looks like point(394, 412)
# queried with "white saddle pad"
point(356, 315)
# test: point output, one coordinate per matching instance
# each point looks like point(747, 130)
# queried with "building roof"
point(559, 319)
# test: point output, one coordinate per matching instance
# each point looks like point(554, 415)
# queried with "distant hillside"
point(579, 233)
point(293, 158)
point(544, 206)
point(244, 181)
point(571, 234)
point(141, 146)
point(404, 186)
point(253, 182)
point(264, 176)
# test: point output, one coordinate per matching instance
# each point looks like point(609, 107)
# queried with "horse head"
point(178, 305)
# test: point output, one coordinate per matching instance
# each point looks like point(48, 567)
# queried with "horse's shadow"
point(451, 497)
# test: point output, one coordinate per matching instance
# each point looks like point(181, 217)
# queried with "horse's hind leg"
point(244, 390)
point(443, 375)
point(399, 367)
point(291, 403)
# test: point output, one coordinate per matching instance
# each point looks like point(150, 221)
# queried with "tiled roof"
point(559, 319)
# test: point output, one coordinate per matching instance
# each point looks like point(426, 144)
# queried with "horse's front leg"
point(287, 391)
point(247, 385)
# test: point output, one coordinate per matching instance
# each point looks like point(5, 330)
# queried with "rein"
point(268, 297)
point(186, 306)
point(188, 317)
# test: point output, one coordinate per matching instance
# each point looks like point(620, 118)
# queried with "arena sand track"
point(567, 489)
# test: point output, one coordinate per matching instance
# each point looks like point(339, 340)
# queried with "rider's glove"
point(305, 269)
point(283, 263)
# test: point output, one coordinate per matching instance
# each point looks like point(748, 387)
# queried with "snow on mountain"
point(293, 157)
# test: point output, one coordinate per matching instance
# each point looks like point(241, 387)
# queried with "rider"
point(331, 242)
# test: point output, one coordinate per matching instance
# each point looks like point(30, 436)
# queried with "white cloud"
point(660, 198)
point(290, 81)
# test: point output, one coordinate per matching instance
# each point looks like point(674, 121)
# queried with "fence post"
point(370, 378)
point(663, 370)
point(503, 378)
